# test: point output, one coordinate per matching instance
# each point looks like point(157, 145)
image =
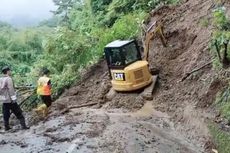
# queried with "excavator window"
point(131, 53)
point(119, 56)
point(115, 58)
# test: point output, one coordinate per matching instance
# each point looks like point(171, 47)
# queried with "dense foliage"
point(220, 41)
point(85, 28)
point(19, 49)
point(221, 36)
point(72, 40)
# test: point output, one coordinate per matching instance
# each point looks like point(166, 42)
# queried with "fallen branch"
point(27, 98)
point(24, 101)
point(78, 106)
point(25, 92)
point(24, 87)
point(195, 70)
point(83, 105)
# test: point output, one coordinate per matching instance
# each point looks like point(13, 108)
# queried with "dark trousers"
point(7, 108)
point(46, 100)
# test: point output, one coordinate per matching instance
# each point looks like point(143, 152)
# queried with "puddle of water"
point(148, 110)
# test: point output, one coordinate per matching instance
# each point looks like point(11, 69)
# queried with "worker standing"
point(9, 99)
point(44, 88)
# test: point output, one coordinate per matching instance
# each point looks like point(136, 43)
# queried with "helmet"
point(5, 69)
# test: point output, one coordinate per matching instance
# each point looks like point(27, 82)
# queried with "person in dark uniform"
point(9, 99)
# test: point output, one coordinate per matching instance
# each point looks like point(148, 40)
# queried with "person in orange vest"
point(44, 90)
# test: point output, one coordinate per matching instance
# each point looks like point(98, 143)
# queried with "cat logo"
point(119, 76)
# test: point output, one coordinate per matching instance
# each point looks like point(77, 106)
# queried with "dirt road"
point(98, 130)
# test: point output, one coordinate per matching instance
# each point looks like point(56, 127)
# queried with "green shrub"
point(221, 138)
point(119, 30)
point(223, 102)
point(221, 34)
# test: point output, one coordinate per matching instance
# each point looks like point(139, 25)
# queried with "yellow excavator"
point(128, 70)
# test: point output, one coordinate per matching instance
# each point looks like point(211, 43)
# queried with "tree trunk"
point(218, 50)
point(225, 60)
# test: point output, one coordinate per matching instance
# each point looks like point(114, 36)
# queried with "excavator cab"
point(120, 54)
point(127, 69)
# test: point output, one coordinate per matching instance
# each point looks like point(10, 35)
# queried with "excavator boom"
point(156, 29)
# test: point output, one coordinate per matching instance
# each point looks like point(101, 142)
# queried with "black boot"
point(23, 124)
point(7, 126)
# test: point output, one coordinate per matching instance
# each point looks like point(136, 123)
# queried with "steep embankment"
point(174, 121)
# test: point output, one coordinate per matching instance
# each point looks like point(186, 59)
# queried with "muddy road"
point(98, 130)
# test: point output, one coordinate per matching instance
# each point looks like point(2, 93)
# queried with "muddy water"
point(102, 131)
point(148, 110)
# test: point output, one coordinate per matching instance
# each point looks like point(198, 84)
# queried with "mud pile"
point(188, 49)
point(94, 86)
point(186, 101)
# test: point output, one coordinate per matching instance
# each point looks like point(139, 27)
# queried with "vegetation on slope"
point(221, 51)
point(220, 40)
point(20, 49)
point(72, 40)
point(85, 29)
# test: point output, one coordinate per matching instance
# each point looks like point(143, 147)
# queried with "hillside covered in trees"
point(73, 39)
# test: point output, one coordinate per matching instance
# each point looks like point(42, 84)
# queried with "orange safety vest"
point(43, 87)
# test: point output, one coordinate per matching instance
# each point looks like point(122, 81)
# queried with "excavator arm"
point(154, 30)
